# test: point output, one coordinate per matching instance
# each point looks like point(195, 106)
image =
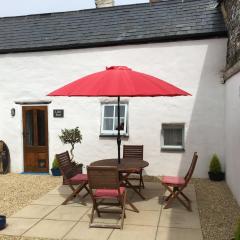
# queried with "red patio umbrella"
point(117, 81)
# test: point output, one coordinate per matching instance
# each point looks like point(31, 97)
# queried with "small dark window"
point(172, 137)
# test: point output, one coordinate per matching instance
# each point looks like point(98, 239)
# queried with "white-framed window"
point(172, 136)
point(109, 121)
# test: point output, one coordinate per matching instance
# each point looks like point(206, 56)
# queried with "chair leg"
point(74, 194)
point(132, 206)
point(87, 193)
point(141, 180)
point(92, 213)
point(123, 202)
point(174, 194)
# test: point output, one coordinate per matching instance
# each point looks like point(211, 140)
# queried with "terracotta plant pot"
point(2, 222)
point(56, 172)
point(216, 176)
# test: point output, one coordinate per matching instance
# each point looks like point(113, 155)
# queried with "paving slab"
point(164, 233)
point(17, 226)
point(151, 203)
point(180, 218)
point(82, 232)
point(50, 199)
point(34, 211)
point(61, 190)
point(106, 218)
point(47, 218)
point(50, 229)
point(65, 212)
point(143, 218)
point(134, 233)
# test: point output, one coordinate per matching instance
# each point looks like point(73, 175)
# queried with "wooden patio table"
point(126, 166)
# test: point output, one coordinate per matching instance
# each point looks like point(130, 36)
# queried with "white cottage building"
point(181, 42)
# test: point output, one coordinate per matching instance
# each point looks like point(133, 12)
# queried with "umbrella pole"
point(118, 136)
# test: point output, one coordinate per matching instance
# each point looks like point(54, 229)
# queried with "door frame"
point(35, 107)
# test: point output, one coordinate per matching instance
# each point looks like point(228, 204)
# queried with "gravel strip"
point(218, 209)
point(18, 190)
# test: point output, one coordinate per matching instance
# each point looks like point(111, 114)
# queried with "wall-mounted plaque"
point(58, 113)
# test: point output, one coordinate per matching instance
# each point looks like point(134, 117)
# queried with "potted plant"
point(71, 136)
point(55, 168)
point(215, 170)
point(2, 222)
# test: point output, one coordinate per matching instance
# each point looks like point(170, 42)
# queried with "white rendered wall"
point(194, 66)
point(233, 134)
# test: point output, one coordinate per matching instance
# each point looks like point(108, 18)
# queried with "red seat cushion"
point(79, 178)
point(108, 193)
point(173, 180)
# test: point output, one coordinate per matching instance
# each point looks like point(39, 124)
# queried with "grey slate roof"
point(137, 23)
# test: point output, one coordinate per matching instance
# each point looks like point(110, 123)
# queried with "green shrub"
point(237, 232)
point(71, 136)
point(215, 165)
point(55, 163)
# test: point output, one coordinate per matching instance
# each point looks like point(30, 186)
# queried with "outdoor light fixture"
point(13, 111)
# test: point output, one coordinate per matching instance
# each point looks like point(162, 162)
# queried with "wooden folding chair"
point(176, 185)
point(134, 152)
point(72, 176)
point(104, 184)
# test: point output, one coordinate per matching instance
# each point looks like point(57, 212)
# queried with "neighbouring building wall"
point(231, 13)
point(194, 66)
point(233, 134)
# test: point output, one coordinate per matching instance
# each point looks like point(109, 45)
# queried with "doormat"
point(34, 173)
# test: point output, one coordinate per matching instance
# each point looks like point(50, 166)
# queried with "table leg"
point(127, 183)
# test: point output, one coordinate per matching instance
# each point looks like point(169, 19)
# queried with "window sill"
point(172, 149)
point(113, 136)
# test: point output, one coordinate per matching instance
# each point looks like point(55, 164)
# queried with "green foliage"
point(237, 232)
point(71, 136)
point(55, 163)
point(215, 165)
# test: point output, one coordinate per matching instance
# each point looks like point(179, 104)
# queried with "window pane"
point(121, 124)
point(108, 124)
point(29, 128)
point(108, 111)
point(41, 127)
point(173, 137)
point(122, 111)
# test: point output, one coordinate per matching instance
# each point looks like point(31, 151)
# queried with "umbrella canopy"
point(119, 81)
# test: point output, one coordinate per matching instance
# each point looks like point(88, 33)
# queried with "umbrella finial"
point(118, 68)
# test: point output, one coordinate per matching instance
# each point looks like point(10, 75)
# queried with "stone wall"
point(231, 13)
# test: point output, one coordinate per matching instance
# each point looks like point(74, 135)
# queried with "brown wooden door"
point(35, 139)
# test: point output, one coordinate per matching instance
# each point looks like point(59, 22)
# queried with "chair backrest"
point(103, 177)
point(192, 167)
point(133, 152)
point(65, 165)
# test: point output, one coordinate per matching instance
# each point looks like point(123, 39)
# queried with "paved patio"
point(47, 218)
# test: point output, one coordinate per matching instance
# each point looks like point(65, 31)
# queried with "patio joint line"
point(69, 230)
point(200, 219)
point(160, 212)
point(112, 233)
point(31, 227)
point(39, 219)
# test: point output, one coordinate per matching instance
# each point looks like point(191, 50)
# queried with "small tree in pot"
point(72, 136)
point(215, 170)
